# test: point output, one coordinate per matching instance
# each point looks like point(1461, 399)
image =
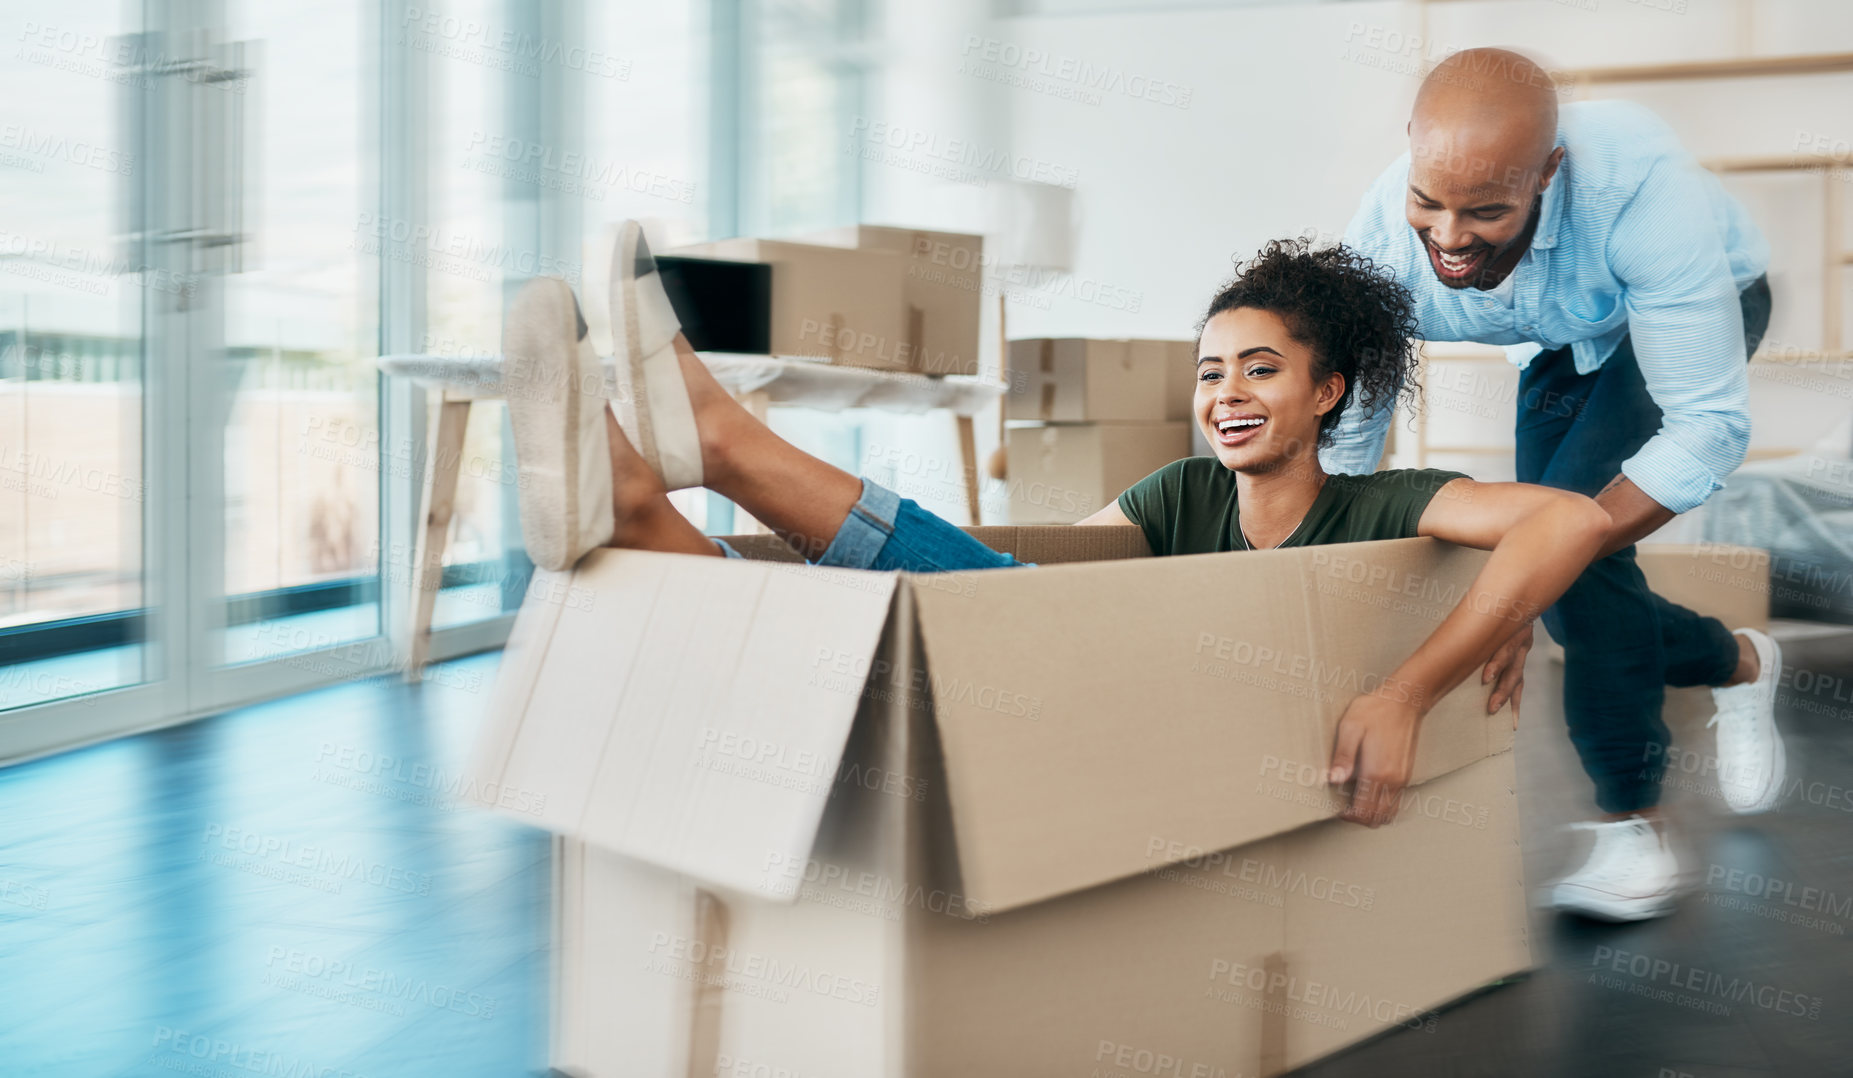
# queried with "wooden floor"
point(287, 889)
point(1576, 1017)
point(282, 890)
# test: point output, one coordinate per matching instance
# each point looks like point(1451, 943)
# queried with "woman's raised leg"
point(816, 508)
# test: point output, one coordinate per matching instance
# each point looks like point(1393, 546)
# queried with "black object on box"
point(723, 306)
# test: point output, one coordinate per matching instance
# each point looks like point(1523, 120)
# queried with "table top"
point(790, 380)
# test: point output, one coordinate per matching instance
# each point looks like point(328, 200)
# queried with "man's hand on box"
point(1506, 671)
point(1376, 747)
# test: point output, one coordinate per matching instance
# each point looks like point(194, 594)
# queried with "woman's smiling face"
point(1257, 399)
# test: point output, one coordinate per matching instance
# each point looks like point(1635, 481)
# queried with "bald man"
point(1629, 289)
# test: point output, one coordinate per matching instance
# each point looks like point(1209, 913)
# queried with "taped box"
point(942, 289)
point(1065, 820)
point(1075, 380)
point(1059, 473)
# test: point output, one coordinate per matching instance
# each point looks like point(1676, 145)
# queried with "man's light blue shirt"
point(1633, 237)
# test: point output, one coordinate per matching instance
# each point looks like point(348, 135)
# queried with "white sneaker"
point(1752, 762)
point(550, 377)
point(1631, 874)
point(651, 400)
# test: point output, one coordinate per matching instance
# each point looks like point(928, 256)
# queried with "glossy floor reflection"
point(285, 889)
point(1788, 953)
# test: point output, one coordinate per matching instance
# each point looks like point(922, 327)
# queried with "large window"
point(72, 490)
point(212, 223)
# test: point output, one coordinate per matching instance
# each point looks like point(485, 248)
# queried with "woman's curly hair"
point(1355, 317)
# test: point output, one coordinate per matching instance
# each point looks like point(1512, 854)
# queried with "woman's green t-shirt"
point(1188, 507)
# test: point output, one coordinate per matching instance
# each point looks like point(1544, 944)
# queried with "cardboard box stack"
point(1088, 418)
point(881, 298)
point(1056, 821)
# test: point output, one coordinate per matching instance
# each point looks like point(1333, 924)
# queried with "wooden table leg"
point(968, 457)
point(440, 496)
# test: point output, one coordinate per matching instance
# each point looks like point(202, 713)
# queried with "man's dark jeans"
point(1622, 643)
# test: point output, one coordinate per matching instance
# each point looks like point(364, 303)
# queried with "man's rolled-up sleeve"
point(1687, 331)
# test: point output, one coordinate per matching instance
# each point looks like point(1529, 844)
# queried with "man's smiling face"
point(1473, 202)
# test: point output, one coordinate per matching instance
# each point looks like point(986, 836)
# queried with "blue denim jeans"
point(1622, 643)
point(886, 532)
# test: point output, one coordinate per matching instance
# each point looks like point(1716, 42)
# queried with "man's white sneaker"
point(651, 401)
point(1630, 874)
point(550, 377)
point(1752, 762)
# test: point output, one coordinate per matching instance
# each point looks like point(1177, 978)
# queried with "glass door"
point(297, 438)
point(74, 603)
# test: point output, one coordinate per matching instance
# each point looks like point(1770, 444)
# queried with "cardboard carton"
point(1052, 821)
point(833, 303)
point(1076, 380)
point(1064, 472)
point(943, 289)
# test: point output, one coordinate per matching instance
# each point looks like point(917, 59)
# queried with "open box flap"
point(1099, 720)
point(688, 712)
point(1401, 589)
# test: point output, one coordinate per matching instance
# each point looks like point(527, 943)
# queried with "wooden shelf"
point(1826, 63)
point(1798, 162)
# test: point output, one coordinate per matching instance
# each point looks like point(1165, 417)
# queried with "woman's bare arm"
point(1109, 515)
point(1541, 539)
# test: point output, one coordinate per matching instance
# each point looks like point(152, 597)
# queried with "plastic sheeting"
point(1800, 509)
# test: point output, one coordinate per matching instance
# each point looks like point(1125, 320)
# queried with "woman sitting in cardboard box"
point(1298, 337)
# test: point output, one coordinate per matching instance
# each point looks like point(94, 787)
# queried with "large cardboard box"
point(1074, 380)
point(943, 289)
point(1065, 820)
point(1063, 472)
point(835, 303)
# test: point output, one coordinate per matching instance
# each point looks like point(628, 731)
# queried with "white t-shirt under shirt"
point(1503, 290)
